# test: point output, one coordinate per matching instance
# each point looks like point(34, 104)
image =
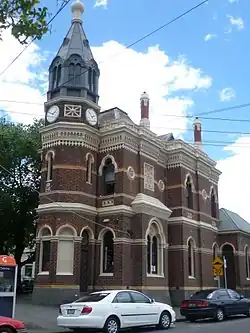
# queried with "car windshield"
point(94, 297)
point(202, 294)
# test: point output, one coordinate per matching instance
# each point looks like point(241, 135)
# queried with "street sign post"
point(8, 284)
point(218, 269)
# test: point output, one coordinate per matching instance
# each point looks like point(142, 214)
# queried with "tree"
point(19, 186)
point(25, 18)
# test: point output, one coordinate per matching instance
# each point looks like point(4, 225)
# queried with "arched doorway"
point(228, 253)
point(84, 274)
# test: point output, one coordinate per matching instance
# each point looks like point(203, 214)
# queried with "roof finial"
point(77, 9)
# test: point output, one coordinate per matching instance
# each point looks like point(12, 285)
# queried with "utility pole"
point(225, 271)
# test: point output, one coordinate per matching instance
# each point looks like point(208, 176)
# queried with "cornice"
point(72, 99)
point(70, 207)
point(125, 135)
point(183, 220)
point(70, 134)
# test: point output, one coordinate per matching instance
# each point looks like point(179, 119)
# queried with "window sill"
point(64, 274)
point(248, 279)
point(192, 277)
point(43, 273)
point(106, 274)
point(89, 183)
point(155, 275)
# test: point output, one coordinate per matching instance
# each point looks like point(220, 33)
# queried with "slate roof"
point(110, 115)
point(76, 42)
point(230, 221)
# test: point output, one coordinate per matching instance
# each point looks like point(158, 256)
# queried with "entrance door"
point(84, 276)
point(228, 253)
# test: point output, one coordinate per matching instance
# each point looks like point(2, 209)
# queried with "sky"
point(197, 64)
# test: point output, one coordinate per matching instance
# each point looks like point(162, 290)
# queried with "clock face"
point(91, 117)
point(52, 113)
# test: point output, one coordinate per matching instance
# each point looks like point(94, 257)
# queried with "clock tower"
point(70, 140)
point(73, 78)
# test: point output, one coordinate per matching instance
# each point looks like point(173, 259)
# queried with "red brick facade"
point(120, 206)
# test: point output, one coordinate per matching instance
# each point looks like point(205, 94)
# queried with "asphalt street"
point(229, 326)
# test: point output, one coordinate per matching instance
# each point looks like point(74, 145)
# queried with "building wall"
point(171, 169)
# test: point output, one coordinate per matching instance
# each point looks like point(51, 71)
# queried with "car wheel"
point(6, 330)
point(248, 312)
point(165, 321)
point(219, 315)
point(112, 325)
point(191, 319)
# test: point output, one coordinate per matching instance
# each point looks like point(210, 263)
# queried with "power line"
point(129, 46)
point(234, 107)
point(146, 36)
point(229, 108)
point(163, 115)
point(24, 49)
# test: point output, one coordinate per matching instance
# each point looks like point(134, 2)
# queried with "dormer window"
point(109, 177)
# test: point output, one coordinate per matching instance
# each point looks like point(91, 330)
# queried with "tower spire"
point(74, 71)
point(144, 122)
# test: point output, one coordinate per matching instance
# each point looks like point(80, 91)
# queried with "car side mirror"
point(152, 300)
point(242, 296)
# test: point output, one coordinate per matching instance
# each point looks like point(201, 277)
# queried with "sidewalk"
point(39, 318)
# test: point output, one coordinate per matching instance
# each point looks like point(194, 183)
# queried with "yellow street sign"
point(217, 262)
point(217, 271)
point(218, 266)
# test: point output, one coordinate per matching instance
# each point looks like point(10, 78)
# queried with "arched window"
point(247, 261)
point(191, 259)
point(78, 74)
point(45, 249)
point(215, 250)
point(50, 162)
point(95, 82)
point(54, 77)
point(71, 73)
point(107, 253)
point(89, 168)
point(189, 192)
point(65, 251)
point(109, 177)
point(154, 251)
point(90, 79)
point(74, 73)
point(213, 204)
point(58, 76)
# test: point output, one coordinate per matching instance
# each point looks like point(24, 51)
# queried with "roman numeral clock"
point(71, 113)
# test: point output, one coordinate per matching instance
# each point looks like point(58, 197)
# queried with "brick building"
point(119, 205)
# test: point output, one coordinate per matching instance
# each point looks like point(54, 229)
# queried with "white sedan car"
point(111, 310)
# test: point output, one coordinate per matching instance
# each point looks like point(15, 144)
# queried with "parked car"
point(9, 325)
point(114, 309)
point(215, 303)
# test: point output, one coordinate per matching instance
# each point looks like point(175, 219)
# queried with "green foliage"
point(26, 18)
point(19, 185)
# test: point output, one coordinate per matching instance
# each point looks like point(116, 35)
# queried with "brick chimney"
point(144, 122)
point(197, 133)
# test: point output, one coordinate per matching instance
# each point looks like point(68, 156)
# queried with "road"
point(233, 325)
point(229, 326)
